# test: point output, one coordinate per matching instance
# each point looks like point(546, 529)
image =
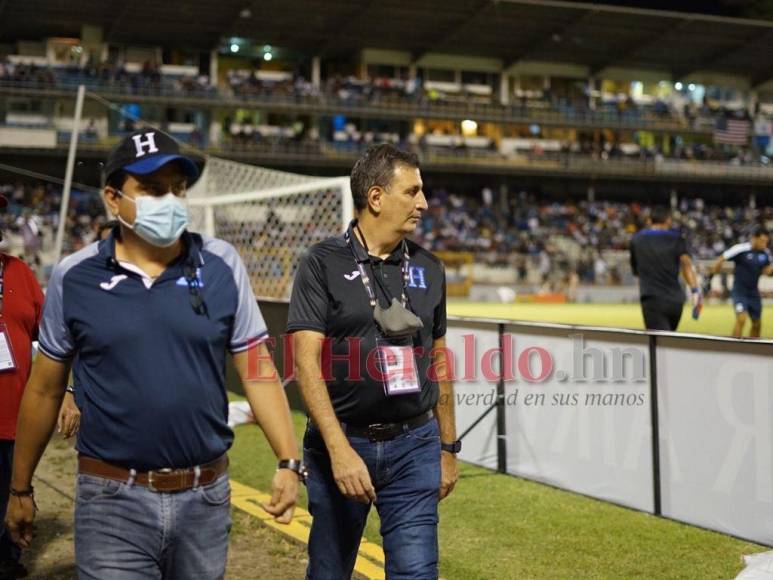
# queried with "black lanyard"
point(364, 276)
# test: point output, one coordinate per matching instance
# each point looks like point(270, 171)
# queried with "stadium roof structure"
point(596, 36)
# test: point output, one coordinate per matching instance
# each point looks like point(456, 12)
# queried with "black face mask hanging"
point(396, 321)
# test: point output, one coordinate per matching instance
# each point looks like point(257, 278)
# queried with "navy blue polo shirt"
point(328, 297)
point(749, 266)
point(150, 370)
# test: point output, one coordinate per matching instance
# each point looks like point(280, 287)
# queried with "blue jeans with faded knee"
point(406, 474)
point(127, 532)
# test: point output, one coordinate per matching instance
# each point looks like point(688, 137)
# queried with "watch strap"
point(454, 447)
point(295, 465)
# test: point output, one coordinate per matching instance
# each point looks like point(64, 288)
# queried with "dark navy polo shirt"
point(655, 259)
point(749, 266)
point(150, 370)
point(328, 297)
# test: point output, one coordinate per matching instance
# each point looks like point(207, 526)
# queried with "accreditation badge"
point(397, 365)
point(7, 361)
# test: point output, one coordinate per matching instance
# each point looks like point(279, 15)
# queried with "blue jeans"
point(8, 550)
point(127, 532)
point(406, 474)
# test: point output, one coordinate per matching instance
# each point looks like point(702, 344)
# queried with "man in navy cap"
point(146, 317)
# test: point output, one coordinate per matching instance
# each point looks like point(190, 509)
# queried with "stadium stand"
point(507, 122)
point(545, 244)
point(270, 86)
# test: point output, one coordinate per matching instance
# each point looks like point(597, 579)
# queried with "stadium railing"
point(461, 160)
point(573, 165)
point(382, 107)
point(672, 424)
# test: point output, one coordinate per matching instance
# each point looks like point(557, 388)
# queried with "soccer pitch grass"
point(716, 319)
point(497, 526)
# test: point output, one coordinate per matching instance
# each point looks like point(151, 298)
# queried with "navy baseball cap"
point(146, 151)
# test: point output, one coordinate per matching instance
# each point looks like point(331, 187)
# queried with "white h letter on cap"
point(149, 142)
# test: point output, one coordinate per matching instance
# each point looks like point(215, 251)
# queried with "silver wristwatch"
point(295, 465)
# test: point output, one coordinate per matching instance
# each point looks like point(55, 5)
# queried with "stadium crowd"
point(148, 79)
point(29, 224)
point(382, 89)
point(557, 239)
point(538, 239)
point(248, 83)
point(298, 138)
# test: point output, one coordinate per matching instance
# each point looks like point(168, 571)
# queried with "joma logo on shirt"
point(113, 282)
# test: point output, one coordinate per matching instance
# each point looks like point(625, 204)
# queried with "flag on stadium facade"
point(732, 131)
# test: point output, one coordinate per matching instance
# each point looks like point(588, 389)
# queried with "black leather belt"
point(386, 431)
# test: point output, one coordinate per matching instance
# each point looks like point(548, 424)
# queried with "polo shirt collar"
point(191, 248)
point(361, 253)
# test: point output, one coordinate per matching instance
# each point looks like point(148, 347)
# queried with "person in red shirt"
point(21, 305)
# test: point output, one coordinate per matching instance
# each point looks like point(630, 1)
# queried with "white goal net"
point(270, 216)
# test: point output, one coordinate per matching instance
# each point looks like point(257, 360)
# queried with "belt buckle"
point(376, 431)
point(153, 472)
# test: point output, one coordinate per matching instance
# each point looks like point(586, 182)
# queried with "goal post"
point(271, 217)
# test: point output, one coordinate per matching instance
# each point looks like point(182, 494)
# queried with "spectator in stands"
point(30, 231)
point(91, 128)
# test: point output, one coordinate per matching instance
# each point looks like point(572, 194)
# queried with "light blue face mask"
point(160, 221)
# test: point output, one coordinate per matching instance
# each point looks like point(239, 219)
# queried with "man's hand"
point(349, 470)
point(18, 519)
point(449, 473)
point(351, 475)
point(69, 420)
point(284, 496)
point(696, 299)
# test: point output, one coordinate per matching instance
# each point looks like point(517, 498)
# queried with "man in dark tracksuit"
point(658, 254)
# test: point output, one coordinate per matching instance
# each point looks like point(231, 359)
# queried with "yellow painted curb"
point(370, 558)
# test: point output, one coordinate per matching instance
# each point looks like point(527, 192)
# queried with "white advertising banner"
point(578, 412)
point(716, 434)
point(474, 392)
point(25, 137)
